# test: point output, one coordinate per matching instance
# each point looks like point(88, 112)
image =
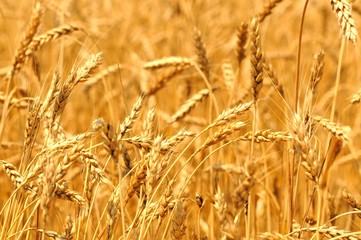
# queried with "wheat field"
point(180, 119)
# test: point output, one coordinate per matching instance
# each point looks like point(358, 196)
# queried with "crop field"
point(180, 119)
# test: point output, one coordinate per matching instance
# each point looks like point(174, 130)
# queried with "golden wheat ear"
point(200, 48)
point(343, 11)
point(20, 56)
point(256, 58)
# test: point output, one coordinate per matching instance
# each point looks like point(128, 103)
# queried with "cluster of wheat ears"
point(115, 126)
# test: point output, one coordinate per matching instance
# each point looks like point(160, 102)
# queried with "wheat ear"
point(256, 58)
point(343, 11)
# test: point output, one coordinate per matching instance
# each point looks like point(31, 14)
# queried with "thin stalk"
point(299, 58)
point(251, 158)
point(338, 76)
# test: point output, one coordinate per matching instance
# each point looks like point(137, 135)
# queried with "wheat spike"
point(267, 9)
point(189, 105)
point(242, 35)
point(164, 79)
point(201, 52)
point(13, 174)
point(343, 11)
point(112, 69)
point(32, 126)
point(230, 114)
point(47, 37)
point(221, 134)
point(317, 69)
point(340, 132)
point(356, 98)
point(347, 196)
point(110, 141)
point(62, 192)
point(20, 56)
point(228, 75)
point(256, 58)
point(266, 136)
point(269, 70)
point(73, 79)
point(168, 62)
point(179, 217)
point(303, 147)
point(126, 126)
